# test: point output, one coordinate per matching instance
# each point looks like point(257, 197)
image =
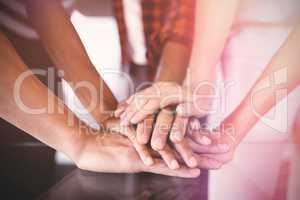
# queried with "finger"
point(168, 155)
point(178, 129)
point(144, 130)
point(135, 106)
point(161, 130)
point(130, 99)
point(216, 141)
point(160, 95)
point(120, 109)
point(208, 163)
point(186, 153)
point(142, 150)
point(137, 101)
point(221, 158)
point(160, 168)
point(214, 148)
point(144, 153)
point(151, 107)
point(201, 137)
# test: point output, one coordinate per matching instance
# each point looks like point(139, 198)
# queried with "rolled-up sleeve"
point(176, 24)
point(179, 24)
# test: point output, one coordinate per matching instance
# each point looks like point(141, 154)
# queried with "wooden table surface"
point(82, 185)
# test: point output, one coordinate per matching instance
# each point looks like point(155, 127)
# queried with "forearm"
point(68, 54)
point(284, 65)
point(214, 20)
point(174, 62)
point(30, 107)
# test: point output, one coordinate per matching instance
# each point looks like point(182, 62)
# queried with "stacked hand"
point(176, 136)
point(113, 153)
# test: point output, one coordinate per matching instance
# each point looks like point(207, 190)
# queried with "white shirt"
point(268, 12)
point(135, 31)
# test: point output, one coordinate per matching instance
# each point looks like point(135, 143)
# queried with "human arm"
point(279, 78)
point(210, 39)
point(69, 55)
point(176, 39)
point(28, 104)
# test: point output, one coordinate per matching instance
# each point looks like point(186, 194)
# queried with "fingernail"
point(193, 162)
point(174, 164)
point(205, 140)
point(179, 109)
point(149, 161)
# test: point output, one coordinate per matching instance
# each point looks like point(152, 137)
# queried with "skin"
point(81, 69)
point(209, 44)
point(220, 145)
point(173, 65)
point(61, 130)
point(68, 54)
point(296, 129)
point(286, 56)
point(206, 37)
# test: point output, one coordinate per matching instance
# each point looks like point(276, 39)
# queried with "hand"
point(159, 134)
point(149, 101)
point(143, 104)
point(112, 153)
point(167, 153)
point(166, 123)
point(193, 101)
point(214, 148)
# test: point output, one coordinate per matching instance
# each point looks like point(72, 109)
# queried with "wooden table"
point(82, 185)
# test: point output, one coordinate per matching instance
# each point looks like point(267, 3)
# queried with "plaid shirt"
point(163, 20)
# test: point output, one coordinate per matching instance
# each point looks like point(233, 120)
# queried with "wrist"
point(236, 128)
point(78, 143)
point(103, 119)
